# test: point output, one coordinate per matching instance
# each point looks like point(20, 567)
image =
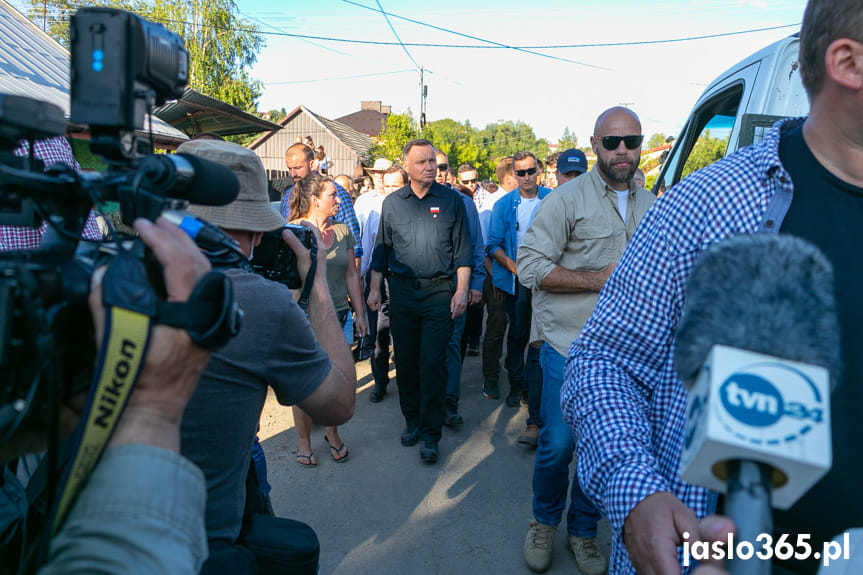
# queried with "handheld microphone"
point(189, 178)
point(758, 348)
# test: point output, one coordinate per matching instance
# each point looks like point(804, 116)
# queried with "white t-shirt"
point(525, 212)
point(485, 212)
point(621, 203)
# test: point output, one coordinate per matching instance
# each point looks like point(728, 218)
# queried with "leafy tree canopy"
point(567, 140)
point(655, 140)
point(461, 142)
point(706, 151)
point(222, 46)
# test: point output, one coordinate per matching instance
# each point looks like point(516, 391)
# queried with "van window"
point(705, 140)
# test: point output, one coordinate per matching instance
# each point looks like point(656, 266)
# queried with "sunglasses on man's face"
point(473, 181)
point(612, 142)
point(442, 167)
point(527, 172)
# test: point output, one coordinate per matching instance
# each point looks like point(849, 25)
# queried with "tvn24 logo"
point(774, 401)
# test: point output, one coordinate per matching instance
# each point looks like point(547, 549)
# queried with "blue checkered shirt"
point(621, 393)
point(345, 215)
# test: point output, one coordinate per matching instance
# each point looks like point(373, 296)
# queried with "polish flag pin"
point(434, 211)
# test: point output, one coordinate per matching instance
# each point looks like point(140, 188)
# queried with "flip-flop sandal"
point(306, 460)
point(335, 451)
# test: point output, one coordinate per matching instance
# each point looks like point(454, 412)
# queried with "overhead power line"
point(396, 34)
point(339, 78)
point(463, 35)
point(468, 46)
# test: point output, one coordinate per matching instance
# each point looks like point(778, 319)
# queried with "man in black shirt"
point(423, 243)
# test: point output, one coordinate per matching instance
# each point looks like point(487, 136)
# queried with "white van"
point(739, 107)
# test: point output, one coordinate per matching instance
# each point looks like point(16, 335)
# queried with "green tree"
point(222, 46)
point(567, 140)
point(461, 144)
point(655, 140)
point(398, 130)
point(705, 151)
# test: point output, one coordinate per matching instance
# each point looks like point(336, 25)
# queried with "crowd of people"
point(581, 269)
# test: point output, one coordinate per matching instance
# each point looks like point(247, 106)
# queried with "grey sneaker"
point(587, 555)
point(537, 546)
point(490, 390)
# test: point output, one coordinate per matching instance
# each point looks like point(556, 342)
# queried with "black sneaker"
point(378, 393)
point(490, 390)
point(410, 437)
point(472, 350)
point(452, 418)
point(513, 399)
point(429, 451)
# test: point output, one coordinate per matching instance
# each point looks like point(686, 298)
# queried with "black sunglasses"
point(527, 172)
point(442, 167)
point(612, 142)
point(473, 181)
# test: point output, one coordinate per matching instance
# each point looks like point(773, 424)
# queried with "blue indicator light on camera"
point(98, 56)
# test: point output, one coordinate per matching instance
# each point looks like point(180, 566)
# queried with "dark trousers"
point(472, 327)
point(495, 328)
point(523, 376)
point(421, 328)
point(380, 359)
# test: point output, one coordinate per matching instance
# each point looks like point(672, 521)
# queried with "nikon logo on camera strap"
point(120, 361)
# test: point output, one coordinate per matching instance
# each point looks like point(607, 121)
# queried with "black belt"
point(419, 283)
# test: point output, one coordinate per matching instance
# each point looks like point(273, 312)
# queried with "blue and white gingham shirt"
point(621, 393)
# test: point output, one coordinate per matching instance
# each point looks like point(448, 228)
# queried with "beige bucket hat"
point(251, 210)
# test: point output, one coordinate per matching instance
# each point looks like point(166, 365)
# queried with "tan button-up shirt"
point(578, 228)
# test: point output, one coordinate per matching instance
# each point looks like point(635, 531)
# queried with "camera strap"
point(303, 302)
point(130, 308)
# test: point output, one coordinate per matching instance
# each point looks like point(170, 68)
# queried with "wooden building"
point(348, 150)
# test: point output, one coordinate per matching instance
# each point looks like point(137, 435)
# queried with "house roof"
point(360, 143)
point(195, 113)
point(34, 65)
point(369, 122)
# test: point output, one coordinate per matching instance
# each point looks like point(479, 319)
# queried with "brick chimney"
point(374, 105)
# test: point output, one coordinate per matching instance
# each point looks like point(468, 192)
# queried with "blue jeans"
point(453, 363)
point(523, 376)
point(346, 320)
point(553, 455)
point(260, 464)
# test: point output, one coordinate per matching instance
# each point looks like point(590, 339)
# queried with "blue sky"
point(660, 81)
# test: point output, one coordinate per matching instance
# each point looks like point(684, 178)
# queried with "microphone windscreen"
point(766, 293)
point(213, 183)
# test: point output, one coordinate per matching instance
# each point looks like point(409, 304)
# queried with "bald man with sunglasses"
point(577, 236)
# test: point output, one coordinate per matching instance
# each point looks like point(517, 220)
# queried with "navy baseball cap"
point(571, 160)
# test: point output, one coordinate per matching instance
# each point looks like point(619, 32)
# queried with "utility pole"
point(424, 91)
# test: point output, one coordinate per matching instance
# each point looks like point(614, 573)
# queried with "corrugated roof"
point(33, 64)
point(358, 142)
point(195, 113)
point(369, 122)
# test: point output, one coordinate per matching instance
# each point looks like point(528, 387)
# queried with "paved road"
point(384, 511)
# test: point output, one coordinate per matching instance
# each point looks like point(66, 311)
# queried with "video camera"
point(121, 66)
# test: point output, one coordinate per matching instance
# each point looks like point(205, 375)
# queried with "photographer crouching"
point(304, 359)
